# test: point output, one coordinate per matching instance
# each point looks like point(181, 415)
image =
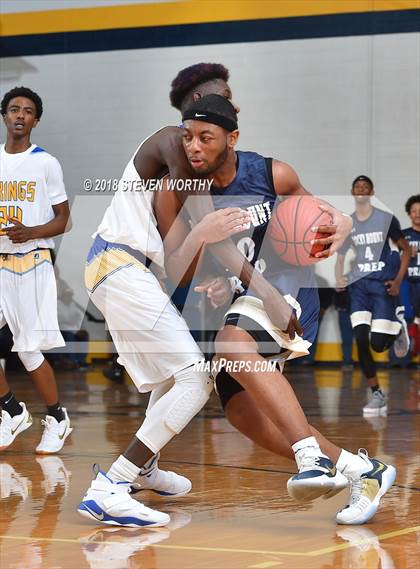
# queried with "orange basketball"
point(290, 229)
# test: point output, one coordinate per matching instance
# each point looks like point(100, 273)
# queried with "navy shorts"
point(371, 304)
point(415, 298)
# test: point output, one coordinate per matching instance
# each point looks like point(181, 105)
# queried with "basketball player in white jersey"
point(153, 343)
point(140, 316)
point(33, 209)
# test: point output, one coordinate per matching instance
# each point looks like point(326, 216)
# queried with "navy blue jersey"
point(253, 190)
point(374, 241)
point(413, 238)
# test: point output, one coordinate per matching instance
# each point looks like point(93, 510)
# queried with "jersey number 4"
point(368, 254)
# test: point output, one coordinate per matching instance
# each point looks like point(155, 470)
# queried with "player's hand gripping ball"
point(290, 229)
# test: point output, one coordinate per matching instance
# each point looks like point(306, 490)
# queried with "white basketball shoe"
point(317, 476)
point(11, 427)
point(366, 492)
point(54, 435)
point(162, 482)
point(110, 503)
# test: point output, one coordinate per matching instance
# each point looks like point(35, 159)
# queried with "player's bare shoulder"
point(285, 179)
point(162, 153)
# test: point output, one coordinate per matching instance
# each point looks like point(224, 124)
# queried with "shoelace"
point(363, 453)
point(309, 461)
point(356, 490)
point(48, 431)
point(378, 395)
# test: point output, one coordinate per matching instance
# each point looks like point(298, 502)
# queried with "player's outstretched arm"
point(174, 232)
point(183, 249)
point(286, 182)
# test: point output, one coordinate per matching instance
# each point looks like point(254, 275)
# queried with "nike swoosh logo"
point(14, 431)
point(99, 517)
point(378, 469)
point(61, 437)
point(197, 115)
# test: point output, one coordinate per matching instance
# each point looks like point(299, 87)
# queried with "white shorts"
point(152, 339)
point(28, 301)
point(253, 308)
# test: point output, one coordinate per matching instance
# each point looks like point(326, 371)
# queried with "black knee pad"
point(381, 342)
point(361, 335)
point(226, 387)
point(267, 346)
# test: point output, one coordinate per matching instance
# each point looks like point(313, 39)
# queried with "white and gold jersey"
point(130, 219)
point(31, 182)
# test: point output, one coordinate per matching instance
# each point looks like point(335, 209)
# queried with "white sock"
point(151, 464)
point(309, 442)
point(122, 470)
point(307, 447)
point(352, 464)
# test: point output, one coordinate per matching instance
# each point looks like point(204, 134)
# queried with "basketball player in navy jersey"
point(377, 316)
point(273, 416)
point(412, 235)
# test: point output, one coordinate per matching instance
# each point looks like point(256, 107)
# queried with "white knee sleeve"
point(31, 360)
point(158, 392)
point(192, 393)
point(174, 410)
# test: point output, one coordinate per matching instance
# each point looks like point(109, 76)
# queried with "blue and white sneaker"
point(162, 482)
point(366, 493)
point(110, 503)
point(317, 476)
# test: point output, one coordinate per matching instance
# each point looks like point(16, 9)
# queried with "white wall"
point(333, 108)
point(15, 6)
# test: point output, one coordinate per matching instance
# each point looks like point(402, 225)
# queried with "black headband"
point(210, 117)
point(213, 109)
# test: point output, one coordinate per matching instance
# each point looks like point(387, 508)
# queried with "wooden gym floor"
point(239, 514)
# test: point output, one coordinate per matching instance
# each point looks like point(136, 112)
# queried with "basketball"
point(290, 229)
